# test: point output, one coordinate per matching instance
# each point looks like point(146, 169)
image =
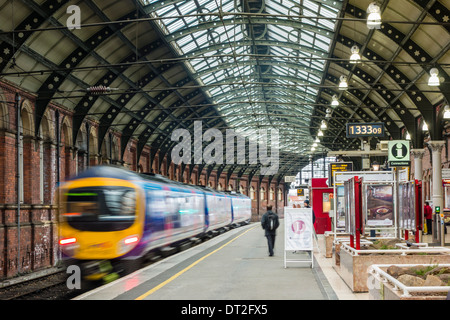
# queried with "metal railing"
point(409, 250)
point(379, 274)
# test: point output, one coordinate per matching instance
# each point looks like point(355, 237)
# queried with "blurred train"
point(112, 218)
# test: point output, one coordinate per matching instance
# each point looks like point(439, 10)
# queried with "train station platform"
point(232, 266)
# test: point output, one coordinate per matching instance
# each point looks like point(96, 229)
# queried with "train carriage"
point(113, 215)
point(241, 207)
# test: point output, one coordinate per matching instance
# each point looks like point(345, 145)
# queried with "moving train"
point(112, 218)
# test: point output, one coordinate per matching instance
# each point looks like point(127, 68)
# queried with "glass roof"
point(261, 62)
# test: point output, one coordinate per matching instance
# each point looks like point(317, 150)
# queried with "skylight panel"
point(147, 2)
point(322, 45)
point(276, 7)
point(211, 6)
point(175, 24)
point(314, 78)
point(208, 79)
point(188, 47)
point(306, 39)
point(278, 37)
point(199, 65)
point(228, 6)
point(282, 32)
point(323, 39)
point(314, 7)
point(182, 41)
point(201, 38)
point(215, 91)
point(187, 7)
point(326, 23)
point(328, 12)
point(166, 11)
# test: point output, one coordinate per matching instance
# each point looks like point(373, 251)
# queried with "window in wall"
point(252, 193)
point(263, 194)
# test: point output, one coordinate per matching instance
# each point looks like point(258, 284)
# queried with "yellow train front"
point(100, 221)
point(111, 218)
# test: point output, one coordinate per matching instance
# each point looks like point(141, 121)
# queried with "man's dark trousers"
point(271, 242)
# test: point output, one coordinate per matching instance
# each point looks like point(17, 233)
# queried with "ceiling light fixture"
point(433, 81)
point(355, 57)
point(343, 85)
point(408, 136)
point(334, 101)
point(447, 112)
point(320, 133)
point(374, 17)
point(323, 125)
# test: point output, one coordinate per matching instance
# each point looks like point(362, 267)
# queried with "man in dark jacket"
point(270, 227)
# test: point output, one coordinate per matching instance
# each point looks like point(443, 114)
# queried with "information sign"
point(357, 130)
point(338, 167)
point(398, 153)
point(289, 179)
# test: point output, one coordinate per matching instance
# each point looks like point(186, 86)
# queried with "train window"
point(120, 202)
point(101, 208)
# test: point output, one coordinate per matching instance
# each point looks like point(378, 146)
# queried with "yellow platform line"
point(143, 296)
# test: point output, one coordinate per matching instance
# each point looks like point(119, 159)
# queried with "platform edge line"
point(161, 285)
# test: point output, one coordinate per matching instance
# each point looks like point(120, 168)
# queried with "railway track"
point(51, 287)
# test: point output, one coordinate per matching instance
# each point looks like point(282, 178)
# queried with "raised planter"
point(330, 243)
point(337, 247)
point(353, 264)
point(385, 286)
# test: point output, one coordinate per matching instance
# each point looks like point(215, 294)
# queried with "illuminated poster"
point(340, 207)
point(379, 205)
point(298, 229)
point(349, 190)
point(406, 206)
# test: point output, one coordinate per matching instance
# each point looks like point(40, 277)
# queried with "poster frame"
point(368, 226)
point(380, 177)
point(305, 214)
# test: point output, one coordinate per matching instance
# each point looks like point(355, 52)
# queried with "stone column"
point(418, 155)
point(436, 147)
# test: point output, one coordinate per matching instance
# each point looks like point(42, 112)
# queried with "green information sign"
point(399, 153)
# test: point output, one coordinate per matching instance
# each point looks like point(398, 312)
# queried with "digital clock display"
point(356, 130)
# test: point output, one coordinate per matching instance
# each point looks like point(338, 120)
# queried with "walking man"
point(270, 223)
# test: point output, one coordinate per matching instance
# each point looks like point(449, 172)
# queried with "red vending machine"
point(322, 199)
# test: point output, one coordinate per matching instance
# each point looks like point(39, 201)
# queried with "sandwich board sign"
point(299, 231)
point(399, 153)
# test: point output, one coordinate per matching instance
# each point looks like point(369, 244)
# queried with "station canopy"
point(254, 66)
point(260, 62)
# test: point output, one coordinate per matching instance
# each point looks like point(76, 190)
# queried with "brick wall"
point(37, 221)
